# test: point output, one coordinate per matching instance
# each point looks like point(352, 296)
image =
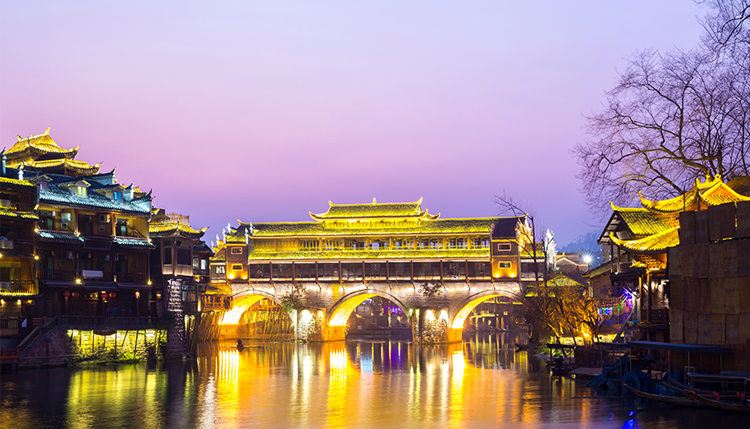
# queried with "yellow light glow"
point(458, 322)
point(444, 315)
point(512, 275)
point(342, 313)
point(18, 302)
point(36, 257)
point(78, 281)
point(305, 317)
point(429, 315)
point(239, 306)
point(231, 276)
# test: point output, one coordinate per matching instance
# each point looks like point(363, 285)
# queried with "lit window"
point(81, 190)
point(503, 265)
point(236, 250)
point(236, 267)
point(117, 197)
point(503, 247)
point(220, 269)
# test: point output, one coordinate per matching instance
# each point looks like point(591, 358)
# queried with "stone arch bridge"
point(325, 307)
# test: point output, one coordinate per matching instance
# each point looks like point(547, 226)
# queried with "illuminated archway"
point(341, 311)
point(241, 302)
point(468, 305)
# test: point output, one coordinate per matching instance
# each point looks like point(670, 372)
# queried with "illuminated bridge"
point(435, 270)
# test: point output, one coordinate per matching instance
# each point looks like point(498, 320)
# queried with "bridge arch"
point(343, 308)
point(465, 307)
point(241, 301)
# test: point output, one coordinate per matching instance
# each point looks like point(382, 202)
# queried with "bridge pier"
point(432, 325)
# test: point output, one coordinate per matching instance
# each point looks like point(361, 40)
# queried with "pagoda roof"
point(35, 147)
point(63, 165)
point(171, 229)
point(503, 227)
point(655, 243)
point(374, 210)
point(709, 193)
point(14, 182)
point(54, 194)
point(642, 222)
point(13, 214)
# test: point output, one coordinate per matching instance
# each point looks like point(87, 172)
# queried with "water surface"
point(483, 382)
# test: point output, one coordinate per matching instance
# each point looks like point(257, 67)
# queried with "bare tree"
point(509, 206)
point(671, 118)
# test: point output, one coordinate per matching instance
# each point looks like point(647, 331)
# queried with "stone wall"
point(709, 281)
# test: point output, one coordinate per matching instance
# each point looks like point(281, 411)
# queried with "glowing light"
point(429, 315)
point(587, 259)
point(18, 302)
point(78, 281)
point(36, 257)
point(231, 276)
point(239, 306)
point(458, 322)
point(305, 317)
point(341, 314)
point(149, 283)
point(512, 274)
point(444, 315)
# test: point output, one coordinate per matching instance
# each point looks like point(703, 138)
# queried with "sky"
point(264, 111)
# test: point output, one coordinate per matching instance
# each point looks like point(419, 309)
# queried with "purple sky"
point(262, 111)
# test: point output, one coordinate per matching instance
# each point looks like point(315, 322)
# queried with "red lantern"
point(104, 294)
point(66, 294)
point(112, 294)
point(75, 294)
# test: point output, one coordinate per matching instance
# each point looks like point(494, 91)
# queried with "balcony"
point(48, 274)
point(17, 287)
point(137, 278)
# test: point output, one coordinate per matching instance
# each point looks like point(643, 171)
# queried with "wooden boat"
point(679, 401)
point(522, 346)
point(735, 406)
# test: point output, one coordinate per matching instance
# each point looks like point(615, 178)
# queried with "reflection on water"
point(482, 382)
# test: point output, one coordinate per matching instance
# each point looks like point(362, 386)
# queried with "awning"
point(100, 286)
point(131, 286)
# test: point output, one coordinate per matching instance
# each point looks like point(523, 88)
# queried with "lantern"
point(75, 294)
point(66, 294)
point(104, 294)
point(112, 294)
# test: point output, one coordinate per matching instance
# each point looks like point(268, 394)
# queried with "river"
point(480, 383)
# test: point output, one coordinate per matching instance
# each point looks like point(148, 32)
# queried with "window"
point(183, 256)
point(203, 264)
point(503, 247)
point(117, 196)
point(236, 267)
point(308, 245)
point(503, 264)
point(81, 191)
point(220, 269)
point(236, 250)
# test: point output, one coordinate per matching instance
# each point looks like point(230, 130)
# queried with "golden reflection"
point(458, 322)
point(341, 315)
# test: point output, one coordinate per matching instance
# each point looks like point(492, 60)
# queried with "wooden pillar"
point(294, 272)
point(270, 271)
point(411, 264)
point(387, 274)
point(317, 274)
point(441, 270)
point(648, 281)
point(466, 271)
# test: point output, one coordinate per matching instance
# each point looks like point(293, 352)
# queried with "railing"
point(131, 278)
point(50, 274)
point(18, 286)
point(18, 246)
point(109, 322)
point(659, 316)
point(38, 332)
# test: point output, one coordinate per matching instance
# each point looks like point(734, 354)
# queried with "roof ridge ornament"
point(374, 201)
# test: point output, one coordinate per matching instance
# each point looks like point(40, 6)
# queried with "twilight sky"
point(263, 111)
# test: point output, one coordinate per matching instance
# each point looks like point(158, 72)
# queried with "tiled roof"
point(38, 145)
point(655, 243)
point(505, 227)
point(373, 210)
point(132, 242)
point(162, 229)
point(17, 215)
point(16, 182)
point(59, 237)
point(55, 194)
point(53, 165)
point(374, 254)
point(643, 222)
point(710, 193)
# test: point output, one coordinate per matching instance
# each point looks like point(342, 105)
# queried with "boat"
point(734, 406)
point(522, 346)
point(676, 400)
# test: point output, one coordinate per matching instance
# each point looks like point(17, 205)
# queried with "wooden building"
point(638, 240)
point(91, 236)
point(371, 242)
point(180, 256)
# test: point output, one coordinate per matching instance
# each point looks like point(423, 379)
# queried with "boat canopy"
point(685, 348)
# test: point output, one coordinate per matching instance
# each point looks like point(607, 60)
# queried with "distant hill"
point(585, 243)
